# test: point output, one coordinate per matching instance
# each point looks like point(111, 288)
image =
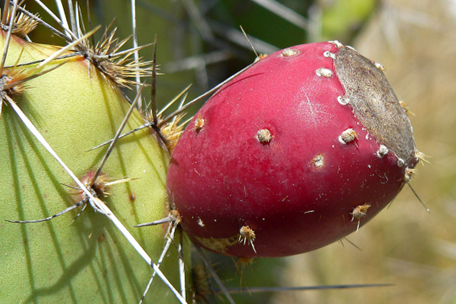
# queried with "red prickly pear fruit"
point(294, 153)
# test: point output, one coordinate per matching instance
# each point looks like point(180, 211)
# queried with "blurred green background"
point(200, 42)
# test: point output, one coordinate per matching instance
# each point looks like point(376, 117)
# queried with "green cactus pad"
point(88, 260)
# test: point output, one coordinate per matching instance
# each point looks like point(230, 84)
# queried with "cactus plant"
point(57, 104)
point(36, 98)
point(298, 151)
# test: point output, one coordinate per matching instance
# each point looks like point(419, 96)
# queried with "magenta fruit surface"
point(292, 154)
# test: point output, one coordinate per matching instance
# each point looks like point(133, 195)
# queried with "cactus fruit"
point(75, 107)
point(293, 154)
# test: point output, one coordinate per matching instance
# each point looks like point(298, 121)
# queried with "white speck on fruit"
point(200, 222)
point(359, 212)
point(336, 43)
point(318, 161)
point(382, 151)
point(400, 162)
point(246, 234)
point(328, 54)
point(348, 136)
point(369, 166)
point(263, 136)
point(199, 123)
point(343, 100)
point(322, 72)
point(289, 52)
point(380, 66)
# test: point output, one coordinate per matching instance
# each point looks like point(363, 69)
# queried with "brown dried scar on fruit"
point(246, 234)
point(374, 103)
point(218, 244)
point(199, 123)
point(263, 136)
point(359, 212)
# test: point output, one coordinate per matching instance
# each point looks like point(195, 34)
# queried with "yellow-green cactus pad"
point(86, 260)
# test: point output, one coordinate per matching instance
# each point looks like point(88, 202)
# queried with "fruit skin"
point(300, 190)
point(88, 260)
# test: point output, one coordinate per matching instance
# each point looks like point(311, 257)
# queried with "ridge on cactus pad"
point(296, 152)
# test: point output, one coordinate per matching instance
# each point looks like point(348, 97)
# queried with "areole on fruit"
point(295, 148)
